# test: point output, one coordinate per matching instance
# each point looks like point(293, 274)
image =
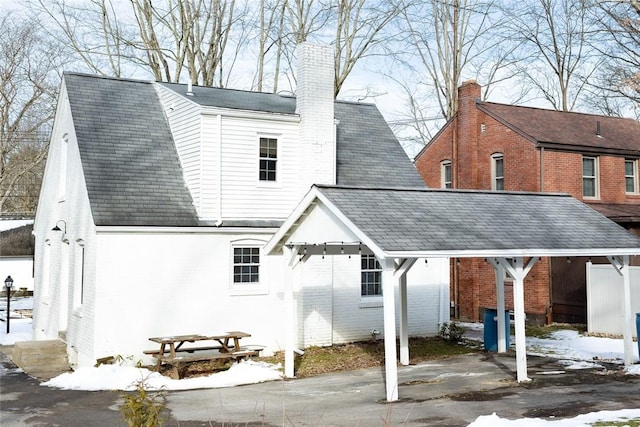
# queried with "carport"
point(399, 226)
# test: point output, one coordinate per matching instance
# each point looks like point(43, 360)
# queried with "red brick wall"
point(440, 149)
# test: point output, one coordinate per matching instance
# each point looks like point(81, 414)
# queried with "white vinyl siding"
point(185, 121)
point(244, 196)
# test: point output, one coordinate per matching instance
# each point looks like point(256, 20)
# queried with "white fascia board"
point(248, 114)
point(512, 253)
point(105, 229)
point(311, 198)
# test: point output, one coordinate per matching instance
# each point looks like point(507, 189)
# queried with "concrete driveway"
point(451, 392)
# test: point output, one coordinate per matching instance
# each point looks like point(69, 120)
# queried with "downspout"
point(542, 169)
point(454, 184)
point(218, 222)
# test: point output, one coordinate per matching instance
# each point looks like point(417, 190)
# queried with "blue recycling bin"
point(491, 329)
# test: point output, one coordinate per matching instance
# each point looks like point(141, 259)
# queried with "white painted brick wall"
point(314, 104)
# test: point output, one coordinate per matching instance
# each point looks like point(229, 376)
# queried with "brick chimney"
point(314, 104)
point(467, 134)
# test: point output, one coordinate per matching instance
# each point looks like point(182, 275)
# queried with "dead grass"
point(366, 354)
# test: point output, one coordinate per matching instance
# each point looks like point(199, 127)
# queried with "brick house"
point(490, 146)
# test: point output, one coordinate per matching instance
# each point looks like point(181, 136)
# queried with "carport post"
point(390, 355)
point(519, 271)
point(502, 339)
point(289, 320)
point(628, 316)
point(401, 275)
point(621, 264)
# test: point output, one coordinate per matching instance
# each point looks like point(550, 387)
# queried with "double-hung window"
point(631, 176)
point(371, 276)
point(589, 177)
point(268, 159)
point(246, 265)
point(445, 174)
point(497, 172)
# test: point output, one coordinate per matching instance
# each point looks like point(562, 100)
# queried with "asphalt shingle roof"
point(569, 129)
point(130, 162)
point(131, 166)
point(459, 220)
point(368, 152)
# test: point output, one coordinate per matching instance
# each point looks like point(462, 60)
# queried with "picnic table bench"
point(223, 347)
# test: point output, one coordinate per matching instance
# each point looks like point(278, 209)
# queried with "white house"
point(158, 198)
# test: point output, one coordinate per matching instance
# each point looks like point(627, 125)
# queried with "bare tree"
point(618, 42)
point(555, 34)
point(167, 38)
point(359, 32)
point(90, 31)
point(28, 85)
point(445, 43)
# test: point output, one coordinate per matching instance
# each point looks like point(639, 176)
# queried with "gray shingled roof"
point(132, 169)
point(130, 162)
point(368, 152)
point(458, 220)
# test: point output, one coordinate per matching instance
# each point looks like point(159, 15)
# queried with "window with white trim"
point(497, 172)
point(590, 177)
point(78, 275)
point(445, 174)
point(371, 276)
point(268, 159)
point(631, 176)
point(246, 265)
point(62, 175)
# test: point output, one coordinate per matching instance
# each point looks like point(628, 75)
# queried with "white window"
point(445, 174)
point(247, 275)
point(497, 172)
point(246, 265)
point(268, 159)
point(62, 176)
point(590, 177)
point(78, 275)
point(371, 276)
point(631, 176)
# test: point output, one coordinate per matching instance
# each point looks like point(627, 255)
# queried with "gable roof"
point(130, 162)
point(131, 165)
point(397, 222)
point(368, 152)
point(569, 130)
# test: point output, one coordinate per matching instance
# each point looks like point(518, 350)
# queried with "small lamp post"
point(8, 284)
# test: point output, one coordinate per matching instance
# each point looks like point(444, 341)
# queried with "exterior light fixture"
point(64, 230)
point(8, 284)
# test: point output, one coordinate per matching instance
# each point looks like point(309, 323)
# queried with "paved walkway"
point(450, 392)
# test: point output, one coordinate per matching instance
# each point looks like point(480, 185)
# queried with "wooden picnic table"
point(224, 346)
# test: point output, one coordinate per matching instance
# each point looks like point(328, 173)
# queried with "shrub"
point(142, 408)
point(451, 332)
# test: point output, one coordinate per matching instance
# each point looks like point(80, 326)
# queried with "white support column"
point(289, 320)
point(390, 356)
point(502, 338)
point(519, 271)
point(621, 264)
point(404, 322)
point(627, 332)
point(401, 276)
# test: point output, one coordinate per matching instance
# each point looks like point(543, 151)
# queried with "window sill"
point(374, 302)
point(247, 292)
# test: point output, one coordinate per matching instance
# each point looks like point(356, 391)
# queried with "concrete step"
point(41, 358)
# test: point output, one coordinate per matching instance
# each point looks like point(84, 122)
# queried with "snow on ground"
point(573, 350)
